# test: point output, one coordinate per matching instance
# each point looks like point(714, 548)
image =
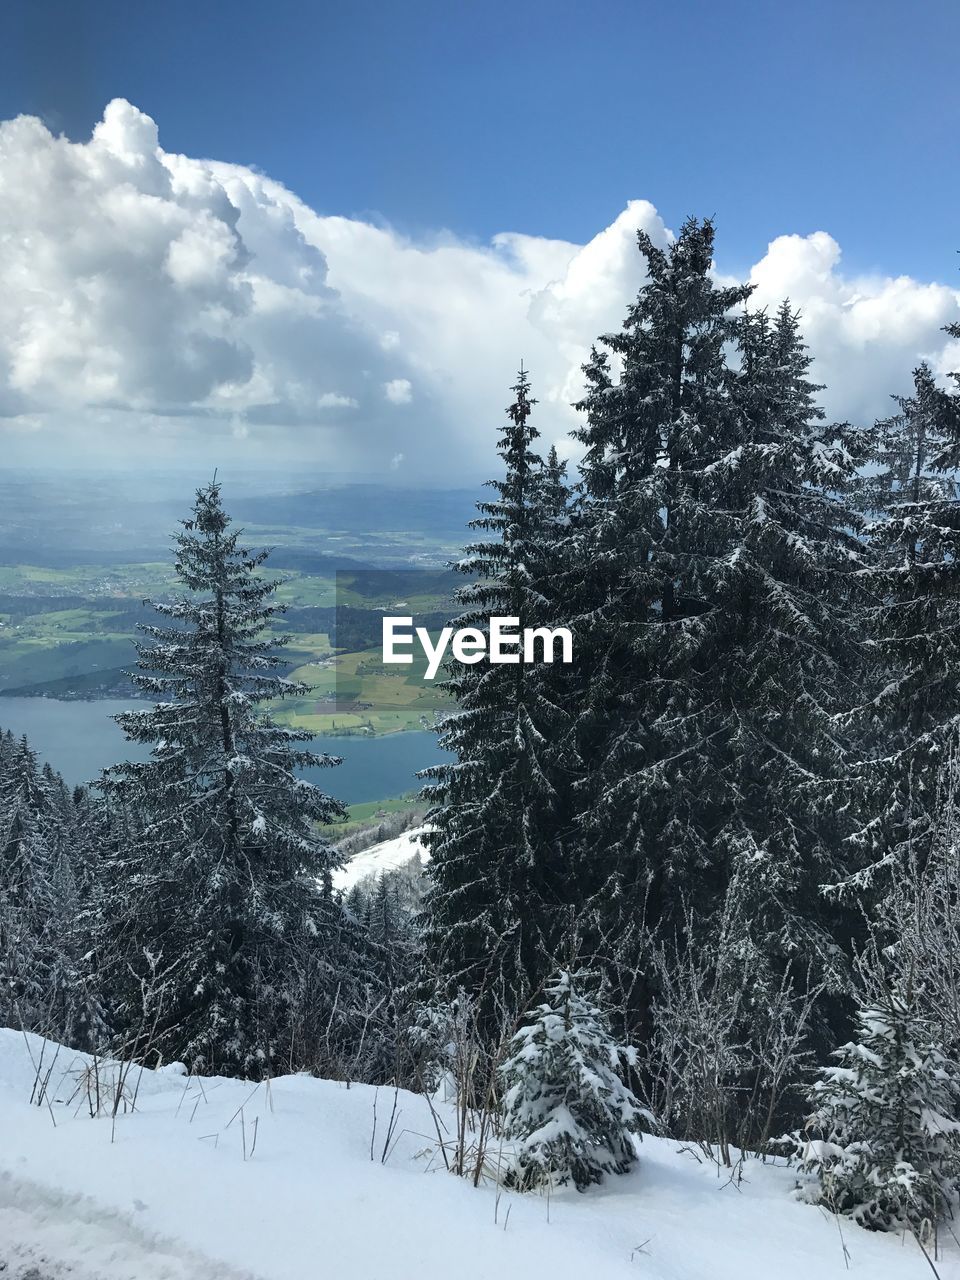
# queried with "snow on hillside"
point(390, 855)
point(172, 1197)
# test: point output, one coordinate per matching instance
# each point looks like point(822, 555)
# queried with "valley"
point(70, 613)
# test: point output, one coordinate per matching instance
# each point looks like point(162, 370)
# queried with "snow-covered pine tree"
point(786, 654)
point(556, 489)
point(387, 908)
point(220, 877)
point(25, 888)
point(566, 1109)
point(648, 537)
point(391, 929)
point(500, 893)
point(82, 887)
point(883, 1140)
point(34, 823)
point(718, 620)
point(911, 723)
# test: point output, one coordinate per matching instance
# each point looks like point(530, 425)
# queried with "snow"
point(45, 1229)
point(389, 855)
point(171, 1196)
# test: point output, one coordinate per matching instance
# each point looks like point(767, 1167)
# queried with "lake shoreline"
point(356, 732)
point(79, 738)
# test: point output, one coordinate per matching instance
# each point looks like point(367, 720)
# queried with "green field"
point(133, 581)
point(69, 632)
point(356, 693)
point(362, 815)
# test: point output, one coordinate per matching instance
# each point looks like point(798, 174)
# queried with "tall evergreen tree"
point(659, 418)
point(222, 876)
point(496, 909)
point(788, 659)
point(385, 909)
point(911, 721)
point(40, 985)
point(716, 621)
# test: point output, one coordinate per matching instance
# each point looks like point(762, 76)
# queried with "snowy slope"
point(390, 855)
point(173, 1197)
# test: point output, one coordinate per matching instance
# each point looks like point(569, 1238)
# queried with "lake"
point(79, 739)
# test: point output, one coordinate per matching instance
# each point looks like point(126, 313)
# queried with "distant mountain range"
point(63, 524)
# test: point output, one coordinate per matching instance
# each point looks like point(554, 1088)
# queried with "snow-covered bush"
point(566, 1109)
point(884, 1140)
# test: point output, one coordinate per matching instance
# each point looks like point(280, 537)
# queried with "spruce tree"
point(221, 877)
point(883, 1140)
point(911, 721)
point(44, 978)
point(499, 839)
point(566, 1107)
point(787, 652)
point(32, 836)
point(647, 532)
point(718, 624)
point(384, 908)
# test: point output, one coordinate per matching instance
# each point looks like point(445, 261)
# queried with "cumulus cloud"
point(120, 290)
point(156, 304)
point(398, 390)
point(868, 333)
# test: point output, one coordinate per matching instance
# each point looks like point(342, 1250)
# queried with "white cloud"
point(157, 303)
point(398, 390)
point(867, 333)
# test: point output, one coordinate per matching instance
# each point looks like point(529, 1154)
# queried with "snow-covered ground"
point(390, 855)
point(170, 1196)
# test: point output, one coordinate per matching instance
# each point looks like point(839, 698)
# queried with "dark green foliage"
point(220, 876)
point(716, 623)
point(649, 536)
point(44, 985)
point(500, 838)
point(884, 1139)
point(910, 722)
point(566, 1109)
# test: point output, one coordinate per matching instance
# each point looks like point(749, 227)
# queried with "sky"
point(329, 232)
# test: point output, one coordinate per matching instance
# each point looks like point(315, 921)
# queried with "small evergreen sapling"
point(566, 1107)
point(884, 1139)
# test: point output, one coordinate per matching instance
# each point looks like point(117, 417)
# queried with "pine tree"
point(660, 416)
point(500, 892)
point(221, 877)
point(787, 653)
point(393, 941)
point(42, 986)
point(95, 842)
point(556, 497)
point(718, 621)
point(884, 1138)
point(565, 1105)
point(29, 848)
point(912, 720)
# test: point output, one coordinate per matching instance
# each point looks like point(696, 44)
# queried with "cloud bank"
point(160, 307)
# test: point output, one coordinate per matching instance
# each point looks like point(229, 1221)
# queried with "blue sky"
point(541, 116)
